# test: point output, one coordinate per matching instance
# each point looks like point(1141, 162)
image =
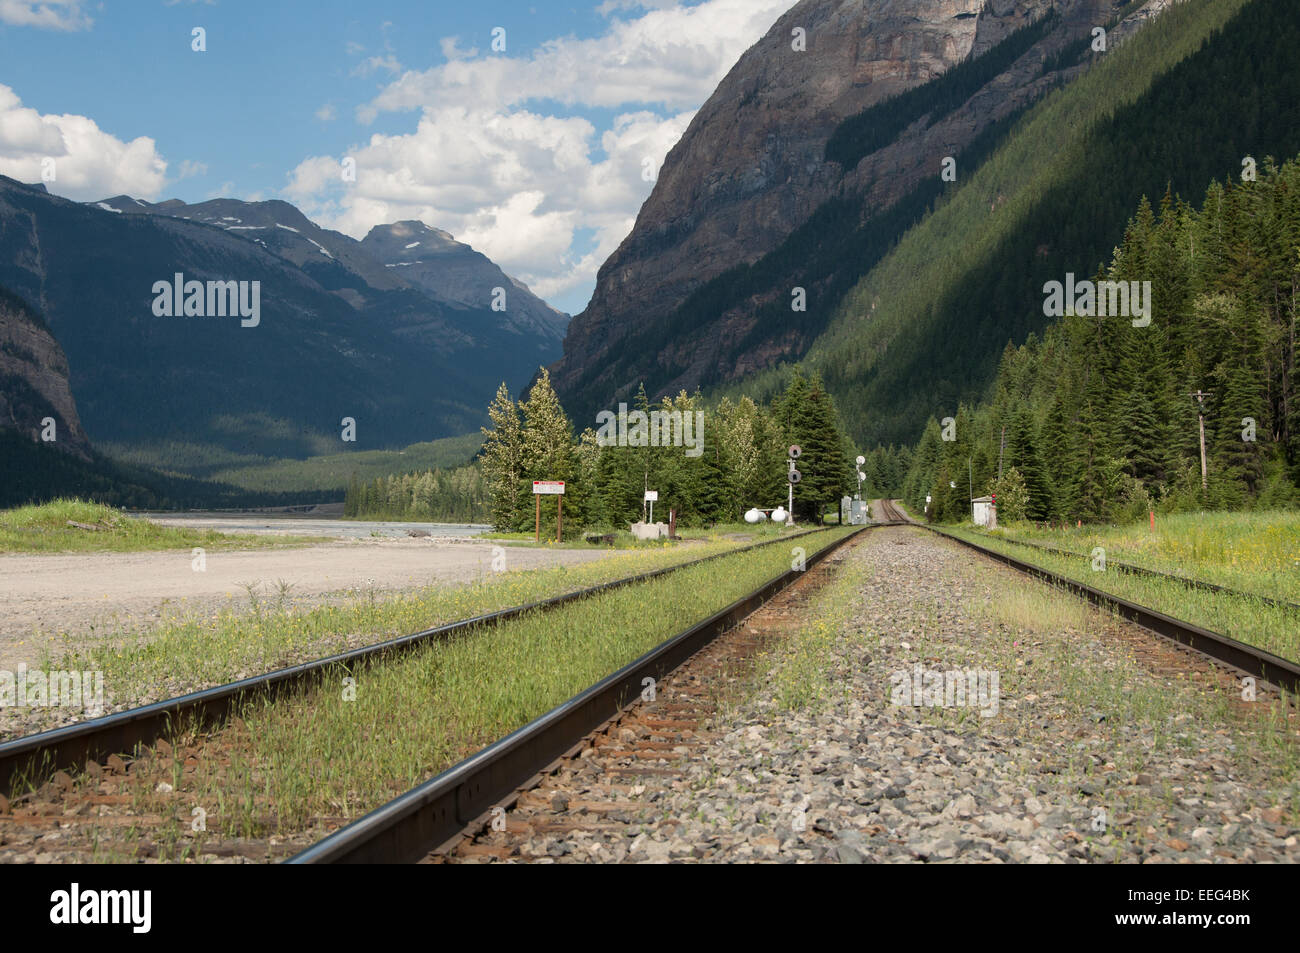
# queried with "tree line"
point(738, 463)
point(1099, 420)
point(454, 495)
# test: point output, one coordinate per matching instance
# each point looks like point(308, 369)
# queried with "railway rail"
point(1282, 673)
point(1187, 581)
point(32, 757)
point(439, 812)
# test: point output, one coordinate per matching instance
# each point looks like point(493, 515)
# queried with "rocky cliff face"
point(751, 167)
point(34, 380)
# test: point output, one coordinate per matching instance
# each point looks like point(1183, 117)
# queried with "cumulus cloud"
point(86, 162)
point(327, 113)
point(45, 14)
point(672, 57)
point(494, 161)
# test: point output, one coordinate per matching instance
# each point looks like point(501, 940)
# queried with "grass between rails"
point(623, 539)
point(45, 529)
point(1049, 676)
point(1061, 666)
point(1248, 620)
point(322, 754)
point(1257, 552)
point(196, 653)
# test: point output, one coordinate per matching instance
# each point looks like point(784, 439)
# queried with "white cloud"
point(45, 14)
point(373, 64)
point(327, 113)
point(188, 169)
point(491, 163)
point(516, 186)
point(451, 49)
point(672, 57)
point(88, 163)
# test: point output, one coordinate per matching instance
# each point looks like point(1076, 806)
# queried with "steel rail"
point(35, 756)
point(1249, 659)
point(437, 812)
point(1130, 569)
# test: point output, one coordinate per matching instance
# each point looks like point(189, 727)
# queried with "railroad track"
point(1190, 583)
point(26, 761)
point(441, 812)
point(1283, 674)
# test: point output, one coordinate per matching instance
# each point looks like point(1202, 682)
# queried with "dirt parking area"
point(44, 595)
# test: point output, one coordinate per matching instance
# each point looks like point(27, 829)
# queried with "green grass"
point(803, 669)
point(1257, 552)
point(1248, 620)
point(323, 754)
point(200, 652)
point(45, 529)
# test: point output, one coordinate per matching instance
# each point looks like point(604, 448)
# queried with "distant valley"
point(406, 332)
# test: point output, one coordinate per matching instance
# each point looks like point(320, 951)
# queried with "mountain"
point(338, 335)
point(406, 255)
point(922, 330)
point(753, 167)
point(34, 380)
point(454, 273)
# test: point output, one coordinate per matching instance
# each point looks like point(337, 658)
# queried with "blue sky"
point(534, 154)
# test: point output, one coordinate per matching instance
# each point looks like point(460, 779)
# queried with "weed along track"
point(609, 784)
point(30, 758)
point(265, 767)
point(433, 816)
point(1250, 661)
point(784, 739)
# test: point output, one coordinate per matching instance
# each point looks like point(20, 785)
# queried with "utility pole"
point(1000, 449)
point(970, 477)
point(1200, 400)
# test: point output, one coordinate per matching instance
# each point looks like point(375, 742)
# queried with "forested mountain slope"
point(1101, 413)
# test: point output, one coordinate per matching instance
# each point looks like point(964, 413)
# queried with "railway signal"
point(794, 477)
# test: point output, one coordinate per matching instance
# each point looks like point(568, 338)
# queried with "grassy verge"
point(328, 754)
point(1256, 552)
point(623, 539)
point(46, 529)
point(197, 653)
point(1248, 620)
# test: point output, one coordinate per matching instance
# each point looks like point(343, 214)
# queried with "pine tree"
point(503, 460)
point(548, 451)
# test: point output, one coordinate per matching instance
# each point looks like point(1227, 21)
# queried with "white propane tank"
point(754, 515)
point(778, 515)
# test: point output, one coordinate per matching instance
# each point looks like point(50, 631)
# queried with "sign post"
point(650, 497)
point(549, 488)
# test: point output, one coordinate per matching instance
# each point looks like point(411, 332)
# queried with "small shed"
point(982, 511)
